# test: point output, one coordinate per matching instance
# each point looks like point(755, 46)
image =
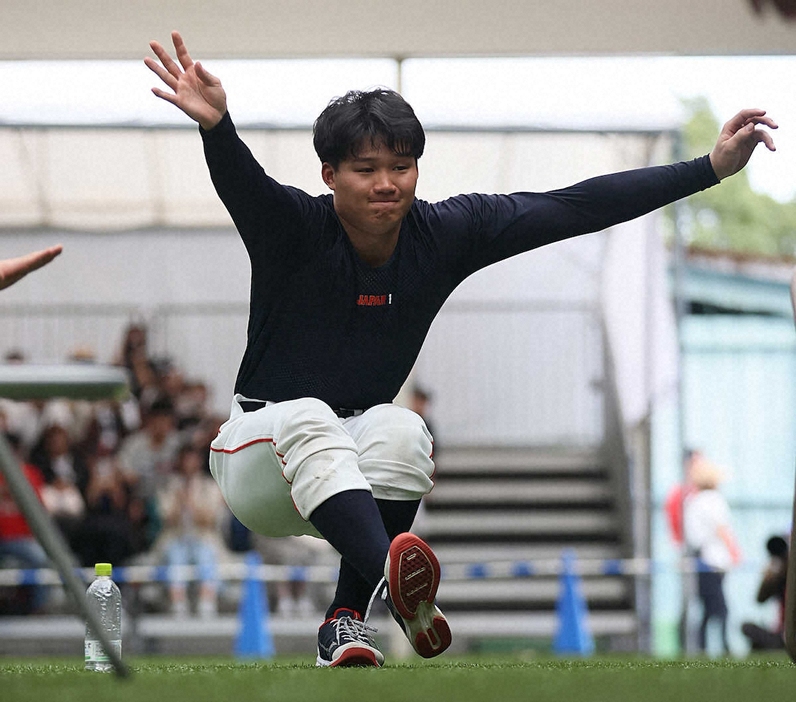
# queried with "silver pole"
point(24, 382)
point(53, 543)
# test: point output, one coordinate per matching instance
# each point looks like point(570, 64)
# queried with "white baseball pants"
point(277, 464)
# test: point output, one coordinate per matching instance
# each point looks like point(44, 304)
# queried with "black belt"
point(345, 413)
point(342, 412)
point(251, 405)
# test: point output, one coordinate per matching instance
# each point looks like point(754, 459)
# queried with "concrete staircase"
point(528, 505)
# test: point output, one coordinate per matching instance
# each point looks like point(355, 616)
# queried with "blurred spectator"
point(772, 586)
point(134, 355)
point(673, 508)
point(191, 405)
point(673, 505)
point(188, 397)
point(65, 476)
point(23, 420)
point(203, 434)
point(294, 597)
point(146, 460)
point(237, 536)
point(20, 418)
point(106, 468)
point(108, 534)
point(55, 457)
point(18, 546)
point(709, 537)
point(419, 403)
point(192, 508)
point(110, 423)
point(170, 379)
point(74, 415)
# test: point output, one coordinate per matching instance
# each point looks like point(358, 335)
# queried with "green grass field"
point(460, 680)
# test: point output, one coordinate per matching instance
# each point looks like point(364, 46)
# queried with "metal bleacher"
point(529, 505)
point(491, 510)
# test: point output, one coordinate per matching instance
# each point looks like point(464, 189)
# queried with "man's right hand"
point(195, 91)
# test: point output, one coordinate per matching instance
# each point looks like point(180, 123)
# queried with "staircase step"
point(515, 490)
point(601, 591)
point(520, 460)
point(519, 523)
point(519, 623)
point(520, 552)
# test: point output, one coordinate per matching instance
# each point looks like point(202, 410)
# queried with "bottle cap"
point(103, 569)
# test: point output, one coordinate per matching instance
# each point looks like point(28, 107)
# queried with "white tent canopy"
point(119, 158)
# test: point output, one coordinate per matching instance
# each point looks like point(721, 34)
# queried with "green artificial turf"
point(457, 679)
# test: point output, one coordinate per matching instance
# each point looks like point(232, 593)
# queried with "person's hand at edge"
point(14, 269)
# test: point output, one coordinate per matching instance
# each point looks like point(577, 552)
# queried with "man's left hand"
point(738, 139)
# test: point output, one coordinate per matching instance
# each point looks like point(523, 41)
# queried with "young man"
point(344, 288)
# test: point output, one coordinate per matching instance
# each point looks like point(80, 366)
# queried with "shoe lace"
point(348, 628)
point(380, 591)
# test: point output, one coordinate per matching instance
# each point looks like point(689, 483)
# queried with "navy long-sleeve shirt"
point(324, 324)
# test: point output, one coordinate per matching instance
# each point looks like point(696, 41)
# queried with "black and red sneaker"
point(412, 573)
point(344, 640)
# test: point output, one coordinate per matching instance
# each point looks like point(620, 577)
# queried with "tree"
point(733, 216)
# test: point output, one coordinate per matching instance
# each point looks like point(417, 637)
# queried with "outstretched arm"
point(13, 269)
point(503, 226)
point(195, 91)
point(738, 139)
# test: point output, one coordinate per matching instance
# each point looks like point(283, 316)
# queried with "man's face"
point(373, 191)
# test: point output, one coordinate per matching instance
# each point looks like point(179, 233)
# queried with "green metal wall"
point(739, 408)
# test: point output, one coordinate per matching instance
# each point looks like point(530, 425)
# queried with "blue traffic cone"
point(573, 635)
point(254, 634)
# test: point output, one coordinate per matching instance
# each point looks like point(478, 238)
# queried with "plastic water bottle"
point(105, 601)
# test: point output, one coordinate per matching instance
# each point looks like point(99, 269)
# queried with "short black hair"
point(162, 405)
point(362, 118)
point(777, 546)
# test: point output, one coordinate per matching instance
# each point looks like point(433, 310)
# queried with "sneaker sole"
point(413, 573)
point(353, 657)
